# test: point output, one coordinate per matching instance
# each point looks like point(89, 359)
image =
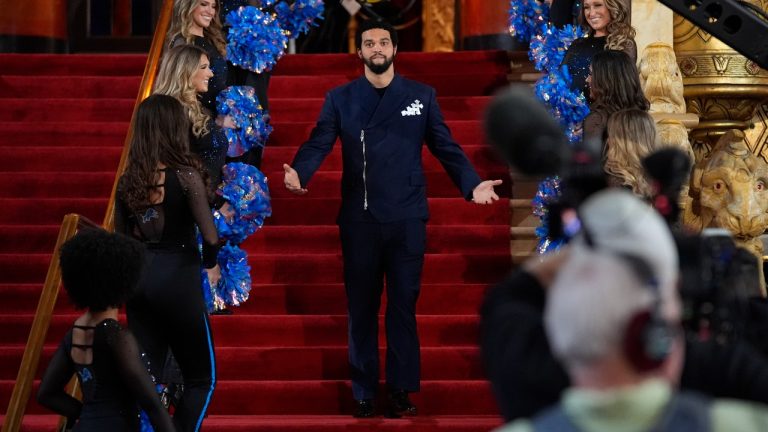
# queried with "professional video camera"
point(720, 281)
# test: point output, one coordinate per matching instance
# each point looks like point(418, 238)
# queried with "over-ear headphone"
point(648, 338)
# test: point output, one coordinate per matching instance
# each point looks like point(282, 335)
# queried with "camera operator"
point(524, 374)
point(613, 319)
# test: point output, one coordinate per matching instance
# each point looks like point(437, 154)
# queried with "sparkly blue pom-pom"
point(300, 16)
point(548, 193)
point(527, 18)
point(548, 48)
point(253, 128)
point(235, 283)
point(246, 190)
point(569, 107)
point(255, 40)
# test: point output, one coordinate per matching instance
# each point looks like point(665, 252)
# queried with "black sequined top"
point(212, 149)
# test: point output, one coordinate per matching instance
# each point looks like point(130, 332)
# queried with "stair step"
point(276, 330)
point(75, 64)
point(295, 363)
point(305, 267)
point(285, 299)
point(315, 423)
point(112, 134)
point(324, 397)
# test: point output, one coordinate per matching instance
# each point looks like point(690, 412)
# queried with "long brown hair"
point(620, 31)
point(160, 136)
point(174, 78)
point(180, 23)
point(631, 137)
point(615, 83)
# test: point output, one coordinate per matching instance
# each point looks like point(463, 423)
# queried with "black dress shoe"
point(365, 408)
point(400, 404)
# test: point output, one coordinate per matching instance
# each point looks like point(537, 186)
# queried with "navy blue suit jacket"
point(381, 141)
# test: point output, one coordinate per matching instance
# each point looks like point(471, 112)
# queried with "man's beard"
point(379, 68)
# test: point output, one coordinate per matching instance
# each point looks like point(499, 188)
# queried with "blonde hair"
point(175, 79)
point(182, 18)
point(631, 137)
point(621, 34)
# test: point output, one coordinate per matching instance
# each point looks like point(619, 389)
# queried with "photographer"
point(524, 374)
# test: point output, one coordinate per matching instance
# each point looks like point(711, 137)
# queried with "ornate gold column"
point(722, 87)
point(438, 17)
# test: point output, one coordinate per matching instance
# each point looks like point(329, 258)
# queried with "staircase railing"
point(70, 225)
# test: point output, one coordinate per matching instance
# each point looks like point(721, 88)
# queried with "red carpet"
point(282, 356)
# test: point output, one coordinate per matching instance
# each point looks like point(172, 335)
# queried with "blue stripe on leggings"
point(213, 375)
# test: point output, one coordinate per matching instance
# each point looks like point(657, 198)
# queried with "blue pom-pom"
point(246, 190)
point(569, 107)
point(300, 16)
point(255, 40)
point(547, 49)
point(527, 18)
point(235, 283)
point(548, 193)
point(253, 128)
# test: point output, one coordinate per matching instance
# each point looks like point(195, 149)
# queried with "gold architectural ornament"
point(728, 190)
point(722, 87)
point(438, 18)
point(662, 84)
point(757, 134)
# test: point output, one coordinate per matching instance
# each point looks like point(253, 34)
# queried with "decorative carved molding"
point(438, 17)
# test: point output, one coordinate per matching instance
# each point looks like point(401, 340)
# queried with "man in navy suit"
point(383, 121)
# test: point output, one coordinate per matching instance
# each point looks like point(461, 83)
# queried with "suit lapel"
point(392, 100)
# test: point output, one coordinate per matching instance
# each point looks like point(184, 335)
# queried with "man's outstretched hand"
point(293, 184)
point(484, 193)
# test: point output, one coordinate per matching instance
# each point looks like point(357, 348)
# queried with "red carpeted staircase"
point(281, 356)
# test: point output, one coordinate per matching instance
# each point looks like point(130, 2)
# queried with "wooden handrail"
point(147, 81)
point(22, 388)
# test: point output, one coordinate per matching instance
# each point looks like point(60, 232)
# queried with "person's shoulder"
point(738, 416)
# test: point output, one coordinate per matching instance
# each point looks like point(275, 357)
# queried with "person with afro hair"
point(100, 271)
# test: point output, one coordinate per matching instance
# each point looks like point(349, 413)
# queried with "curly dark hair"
point(160, 135)
point(371, 24)
point(615, 83)
point(100, 270)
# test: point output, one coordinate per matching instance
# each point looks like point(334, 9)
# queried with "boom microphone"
point(525, 134)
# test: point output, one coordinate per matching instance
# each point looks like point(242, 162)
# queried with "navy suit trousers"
point(374, 253)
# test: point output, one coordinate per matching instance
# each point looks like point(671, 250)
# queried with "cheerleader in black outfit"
point(162, 196)
point(100, 271)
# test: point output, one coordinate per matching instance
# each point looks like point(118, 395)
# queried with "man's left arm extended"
point(454, 160)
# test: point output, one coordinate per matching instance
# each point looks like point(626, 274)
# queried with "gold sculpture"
point(662, 84)
point(728, 190)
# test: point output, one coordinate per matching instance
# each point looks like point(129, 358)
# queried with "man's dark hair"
point(371, 24)
point(99, 269)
